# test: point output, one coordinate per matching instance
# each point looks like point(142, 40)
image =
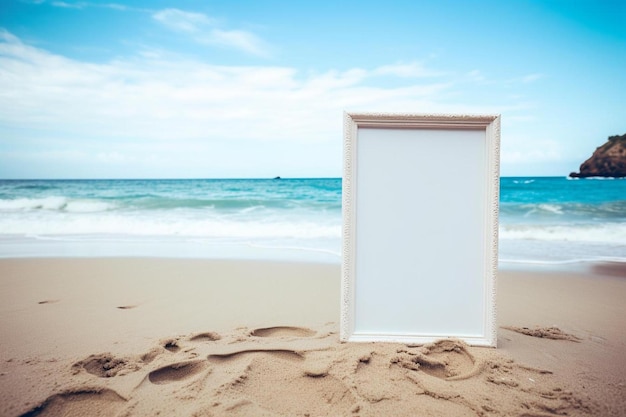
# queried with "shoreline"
point(273, 326)
point(606, 266)
point(322, 250)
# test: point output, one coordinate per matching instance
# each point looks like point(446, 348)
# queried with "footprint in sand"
point(262, 379)
point(105, 365)
point(205, 337)
point(171, 345)
point(232, 368)
point(367, 379)
point(150, 355)
point(48, 301)
point(176, 372)
point(278, 353)
point(79, 403)
point(283, 331)
point(446, 359)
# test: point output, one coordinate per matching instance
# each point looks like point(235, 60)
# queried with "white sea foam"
point(87, 206)
point(552, 208)
point(84, 221)
point(250, 209)
point(602, 232)
point(324, 250)
point(541, 252)
point(46, 203)
point(596, 178)
point(543, 208)
point(54, 203)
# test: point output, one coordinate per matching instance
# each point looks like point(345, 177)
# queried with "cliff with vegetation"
point(609, 160)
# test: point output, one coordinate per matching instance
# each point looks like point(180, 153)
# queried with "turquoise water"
point(561, 220)
point(542, 220)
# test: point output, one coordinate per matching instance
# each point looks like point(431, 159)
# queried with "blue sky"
point(215, 89)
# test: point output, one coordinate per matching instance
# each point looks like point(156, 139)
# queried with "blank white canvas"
point(420, 221)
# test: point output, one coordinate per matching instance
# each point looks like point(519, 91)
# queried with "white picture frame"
point(420, 228)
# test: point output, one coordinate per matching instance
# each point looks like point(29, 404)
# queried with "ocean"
point(543, 220)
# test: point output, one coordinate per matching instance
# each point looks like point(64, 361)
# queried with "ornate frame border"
point(352, 122)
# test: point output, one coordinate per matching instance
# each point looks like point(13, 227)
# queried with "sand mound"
point(553, 333)
point(79, 403)
point(274, 372)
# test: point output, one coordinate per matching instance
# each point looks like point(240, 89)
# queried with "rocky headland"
point(608, 160)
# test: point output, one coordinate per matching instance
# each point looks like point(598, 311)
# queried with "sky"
point(258, 88)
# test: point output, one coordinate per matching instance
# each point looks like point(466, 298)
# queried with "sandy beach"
point(177, 337)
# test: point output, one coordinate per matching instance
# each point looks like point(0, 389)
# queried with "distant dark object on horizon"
point(608, 160)
point(277, 178)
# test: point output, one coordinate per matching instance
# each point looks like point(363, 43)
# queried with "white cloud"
point(78, 5)
point(205, 30)
point(158, 100)
point(85, 4)
point(479, 77)
point(117, 6)
point(206, 115)
point(238, 39)
point(182, 21)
